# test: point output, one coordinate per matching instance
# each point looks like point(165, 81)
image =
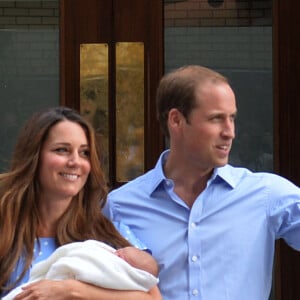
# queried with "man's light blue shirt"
point(223, 247)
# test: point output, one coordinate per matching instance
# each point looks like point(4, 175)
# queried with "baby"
point(96, 263)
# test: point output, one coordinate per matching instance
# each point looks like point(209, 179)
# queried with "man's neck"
point(188, 183)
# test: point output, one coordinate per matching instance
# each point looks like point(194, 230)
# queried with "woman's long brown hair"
point(19, 216)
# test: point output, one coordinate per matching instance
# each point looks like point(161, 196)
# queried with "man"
point(211, 227)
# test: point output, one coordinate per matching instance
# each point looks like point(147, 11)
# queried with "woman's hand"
point(45, 290)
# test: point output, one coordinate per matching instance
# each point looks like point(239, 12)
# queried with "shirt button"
point(195, 292)
point(194, 258)
point(168, 182)
point(193, 225)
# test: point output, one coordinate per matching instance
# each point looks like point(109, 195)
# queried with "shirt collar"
point(225, 173)
point(158, 176)
point(222, 173)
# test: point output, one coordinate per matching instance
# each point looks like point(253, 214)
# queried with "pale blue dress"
point(44, 247)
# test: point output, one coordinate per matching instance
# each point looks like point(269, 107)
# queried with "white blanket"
point(92, 262)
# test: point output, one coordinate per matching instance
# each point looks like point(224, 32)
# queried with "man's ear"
point(175, 119)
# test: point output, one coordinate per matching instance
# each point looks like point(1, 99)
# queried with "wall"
point(29, 64)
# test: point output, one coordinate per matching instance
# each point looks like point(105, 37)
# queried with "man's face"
point(208, 133)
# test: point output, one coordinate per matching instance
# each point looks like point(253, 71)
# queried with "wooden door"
point(114, 22)
point(287, 137)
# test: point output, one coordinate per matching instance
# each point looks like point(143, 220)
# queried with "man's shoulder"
point(243, 175)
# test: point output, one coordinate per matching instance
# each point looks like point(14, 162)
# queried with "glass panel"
point(234, 38)
point(94, 92)
point(29, 65)
point(129, 110)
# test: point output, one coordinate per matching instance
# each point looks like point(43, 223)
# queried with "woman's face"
point(64, 162)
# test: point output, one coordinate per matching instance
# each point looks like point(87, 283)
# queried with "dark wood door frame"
point(286, 132)
point(80, 22)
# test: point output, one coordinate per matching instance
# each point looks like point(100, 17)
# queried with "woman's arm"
point(75, 290)
point(95, 293)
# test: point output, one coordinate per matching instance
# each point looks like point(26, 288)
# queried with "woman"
point(50, 197)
